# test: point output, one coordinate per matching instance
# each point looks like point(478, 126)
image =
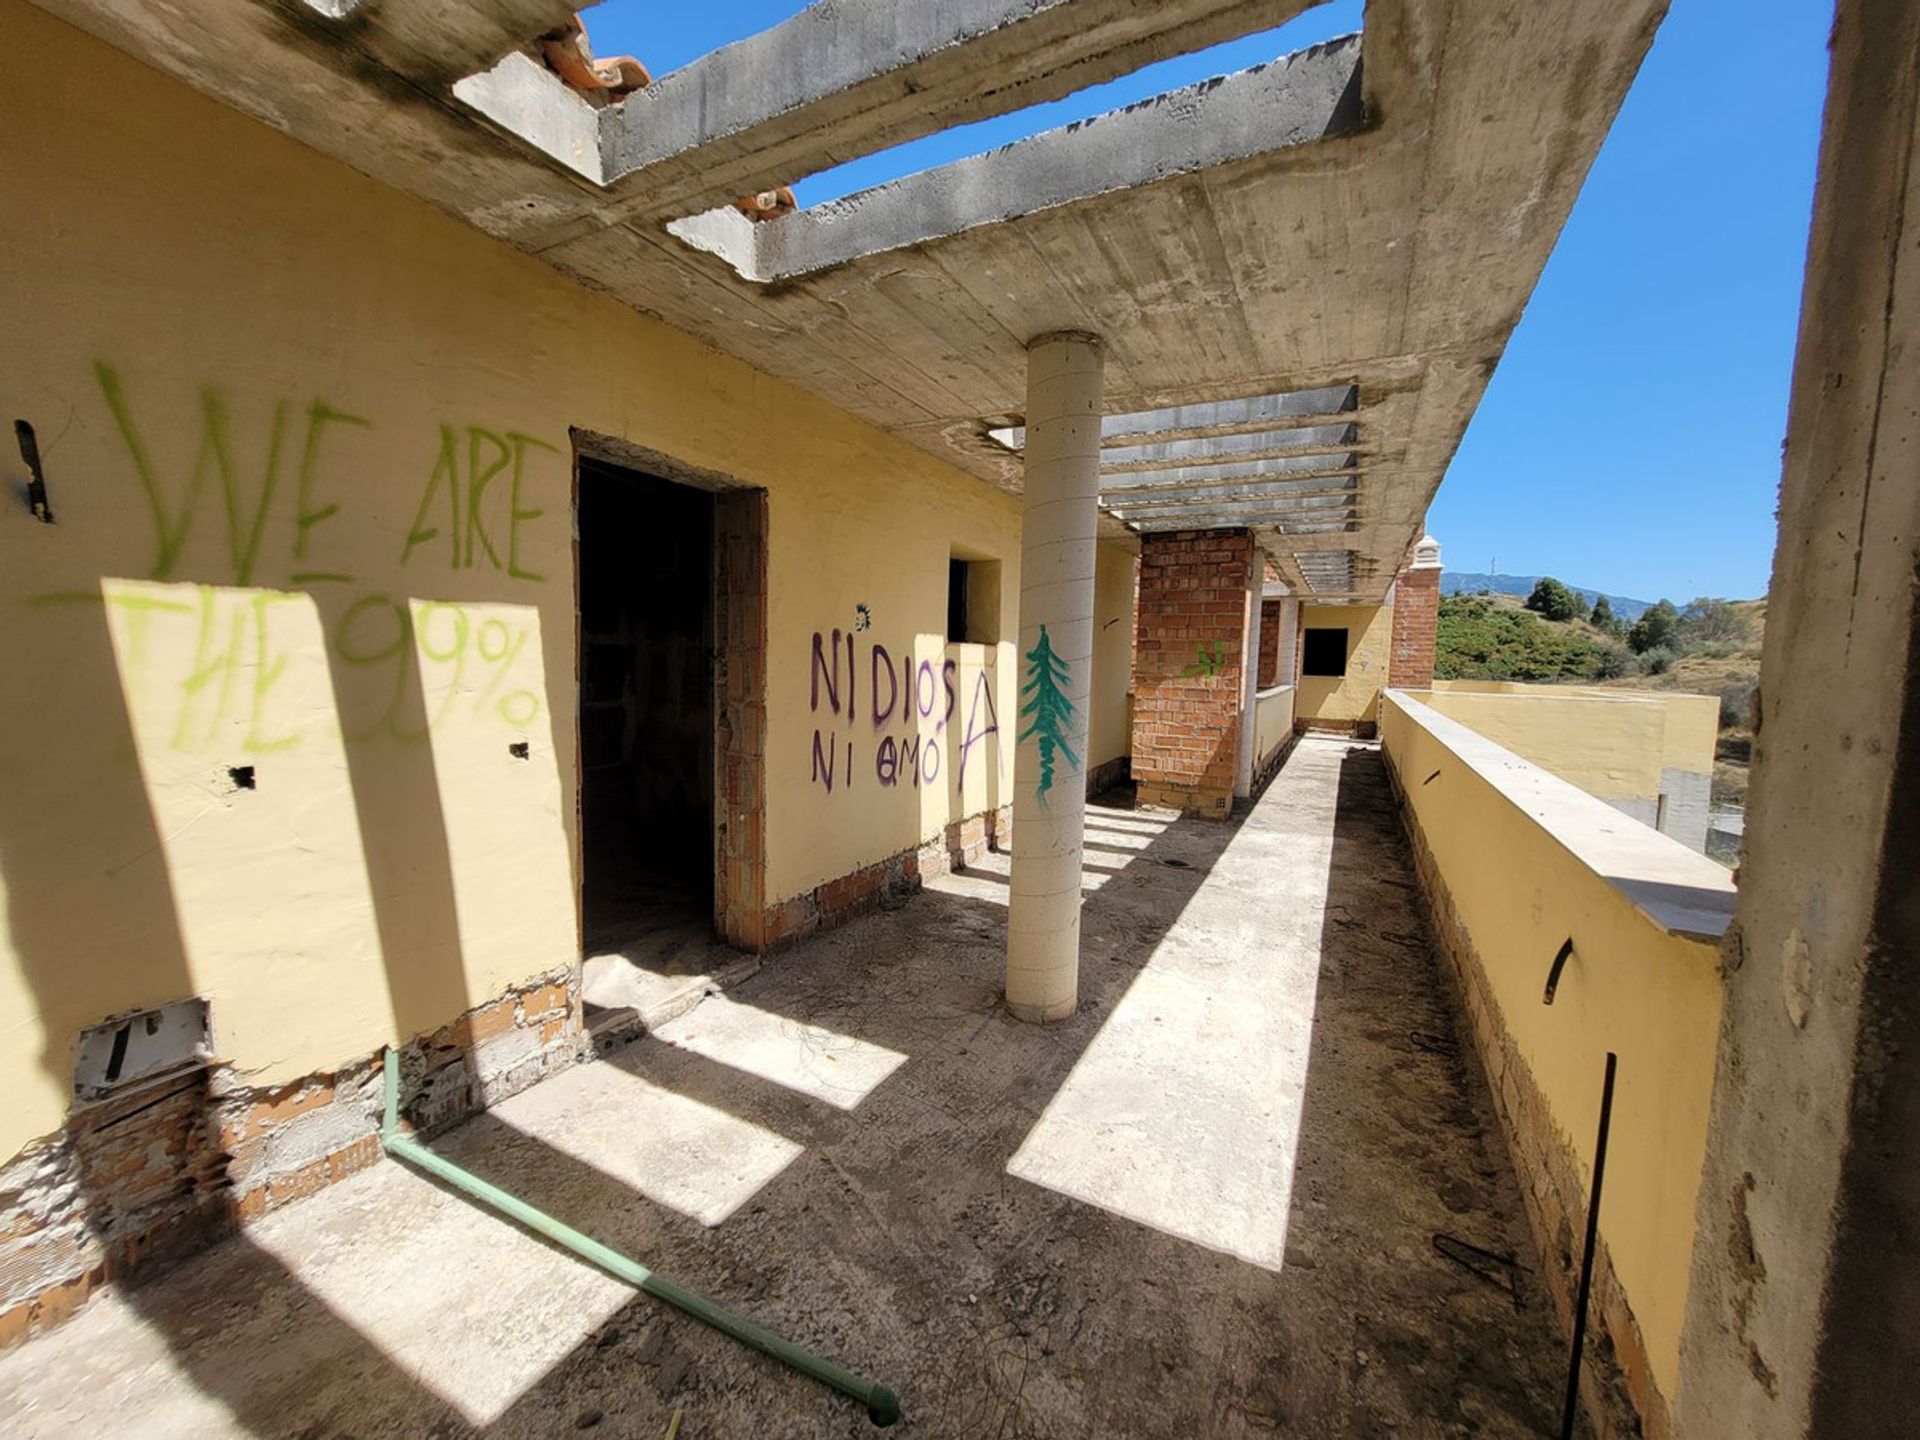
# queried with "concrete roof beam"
point(1309, 96)
point(1294, 409)
point(437, 42)
point(1223, 449)
point(1182, 477)
point(842, 80)
point(1163, 499)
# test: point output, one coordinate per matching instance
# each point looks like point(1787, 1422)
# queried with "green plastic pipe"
point(883, 1406)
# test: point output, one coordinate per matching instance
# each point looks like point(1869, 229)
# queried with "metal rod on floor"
point(883, 1406)
point(1572, 1409)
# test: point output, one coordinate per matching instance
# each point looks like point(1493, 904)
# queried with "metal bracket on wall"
point(36, 478)
point(1553, 975)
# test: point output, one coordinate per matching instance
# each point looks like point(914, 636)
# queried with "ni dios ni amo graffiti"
point(871, 696)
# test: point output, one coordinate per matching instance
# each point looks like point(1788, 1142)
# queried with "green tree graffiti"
point(1052, 712)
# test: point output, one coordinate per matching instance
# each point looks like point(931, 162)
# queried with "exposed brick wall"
point(1617, 1385)
point(153, 1174)
point(834, 902)
point(1190, 657)
point(1416, 620)
point(1269, 644)
point(740, 679)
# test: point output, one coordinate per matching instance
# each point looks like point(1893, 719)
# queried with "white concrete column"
point(1056, 673)
point(1289, 641)
point(1249, 683)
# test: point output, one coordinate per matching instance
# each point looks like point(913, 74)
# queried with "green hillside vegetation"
point(1707, 647)
point(1492, 637)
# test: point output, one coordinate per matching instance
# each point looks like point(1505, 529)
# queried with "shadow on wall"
point(143, 1178)
point(947, 1022)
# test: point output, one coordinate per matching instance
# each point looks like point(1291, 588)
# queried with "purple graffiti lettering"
point(926, 688)
point(820, 673)
point(981, 690)
point(886, 761)
point(883, 665)
point(823, 760)
point(947, 672)
point(930, 762)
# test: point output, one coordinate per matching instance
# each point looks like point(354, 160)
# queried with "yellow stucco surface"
point(1272, 721)
point(1611, 743)
point(1651, 996)
point(1356, 695)
point(309, 447)
point(1609, 748)
point(1110, 727)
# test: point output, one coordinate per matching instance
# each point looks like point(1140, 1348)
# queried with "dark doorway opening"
point(646, 558)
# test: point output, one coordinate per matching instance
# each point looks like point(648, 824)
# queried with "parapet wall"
point(1649, 754)
point(1514, 862)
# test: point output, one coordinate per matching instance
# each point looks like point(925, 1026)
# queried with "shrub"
point(1654, 630)
point(1708, 621)
point(1657, 661)
point(1736, 704)
point(1605, 621)
point(1553, 600)
point(1615, 661)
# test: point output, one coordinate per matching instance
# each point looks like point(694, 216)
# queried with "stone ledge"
point(1681, 891)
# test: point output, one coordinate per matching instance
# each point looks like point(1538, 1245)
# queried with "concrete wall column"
point(1803, 1317)
point(1249, 686)
point(1287, 662)
point(1057, 559)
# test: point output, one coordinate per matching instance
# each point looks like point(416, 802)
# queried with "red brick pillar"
point(1416, 619)
point(1195, 588)
point(1270, 645)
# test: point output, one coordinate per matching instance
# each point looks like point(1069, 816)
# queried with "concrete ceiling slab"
point(1367, 273)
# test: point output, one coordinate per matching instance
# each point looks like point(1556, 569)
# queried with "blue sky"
point(1630, 439)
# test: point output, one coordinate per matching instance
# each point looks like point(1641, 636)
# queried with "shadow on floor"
point(833, 1148)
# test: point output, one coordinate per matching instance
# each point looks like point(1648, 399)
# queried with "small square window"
point(1324, 652)
point(973, 601)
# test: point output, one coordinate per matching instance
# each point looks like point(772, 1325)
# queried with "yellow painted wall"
point(1272, 722)
point(1632, 987)
point(1692, 732)
point(1110, 726)
point(1585, 733)
point(1609, 747)
point(1356, 695)
point(308, 447)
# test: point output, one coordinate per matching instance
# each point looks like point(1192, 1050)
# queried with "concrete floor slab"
point(1204, 1205)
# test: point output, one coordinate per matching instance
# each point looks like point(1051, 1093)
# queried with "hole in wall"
point(519, 750)
point(151, 1045)
point(241, 776)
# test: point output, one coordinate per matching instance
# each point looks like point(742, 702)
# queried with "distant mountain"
point(1455, 582)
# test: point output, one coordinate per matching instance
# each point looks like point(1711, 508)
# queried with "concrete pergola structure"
point(1299, 277)
point(1291, 283)
point(1302, 274)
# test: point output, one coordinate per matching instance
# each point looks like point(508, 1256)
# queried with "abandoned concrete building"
point(884, 757)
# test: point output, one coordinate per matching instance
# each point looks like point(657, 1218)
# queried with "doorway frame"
point(738, 574)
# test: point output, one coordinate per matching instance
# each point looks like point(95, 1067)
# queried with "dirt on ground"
point(1393, 1290)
